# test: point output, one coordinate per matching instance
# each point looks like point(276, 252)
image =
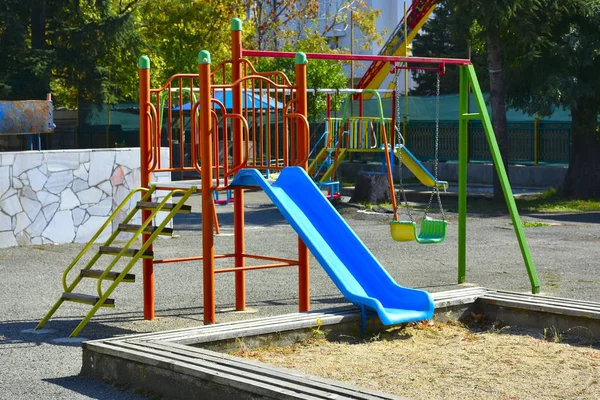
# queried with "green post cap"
point(144, 62)
point(236, 24)
point(204, 57)
point(301, 58)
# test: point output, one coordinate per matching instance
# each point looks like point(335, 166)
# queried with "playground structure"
point(233, 149)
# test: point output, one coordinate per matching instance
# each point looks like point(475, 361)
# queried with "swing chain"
point(400, 142)
point(436, 189)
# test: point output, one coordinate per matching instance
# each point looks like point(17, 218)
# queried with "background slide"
point(347, 261)
point(419, 170)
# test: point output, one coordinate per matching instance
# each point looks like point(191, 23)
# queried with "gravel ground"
point(566, 255)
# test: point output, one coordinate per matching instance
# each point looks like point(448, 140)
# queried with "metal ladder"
point(101, 299)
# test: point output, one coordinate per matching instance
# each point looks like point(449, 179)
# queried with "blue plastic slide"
point(347, 261)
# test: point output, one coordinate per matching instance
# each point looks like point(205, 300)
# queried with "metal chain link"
point(400, 142)
point(436, 189)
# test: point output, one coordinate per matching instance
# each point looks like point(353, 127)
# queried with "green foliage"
point(320, 73)
point(446, 35)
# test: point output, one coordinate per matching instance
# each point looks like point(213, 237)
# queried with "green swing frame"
point(468, 78)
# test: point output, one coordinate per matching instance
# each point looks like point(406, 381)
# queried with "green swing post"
point(467, 74)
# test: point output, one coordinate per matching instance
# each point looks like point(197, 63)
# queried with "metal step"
point(87, 299)
point(147, 205)
point(111, 276)
point(149, 230)
point(128, 253)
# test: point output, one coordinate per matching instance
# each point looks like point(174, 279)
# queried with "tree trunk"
point(371, 187)
point(498, 102)
point(582, 180)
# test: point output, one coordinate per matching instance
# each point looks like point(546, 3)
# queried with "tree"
point(446, 35)
point(560, 69)
point(175, 31)
point(319, 73)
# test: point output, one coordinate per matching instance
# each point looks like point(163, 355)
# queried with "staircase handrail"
point(147, 194)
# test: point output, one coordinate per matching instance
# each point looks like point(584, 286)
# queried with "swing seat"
point(432, 231)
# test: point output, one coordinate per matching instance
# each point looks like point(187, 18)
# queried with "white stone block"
point(106, 187)
point(7, 159)
point(101, 166)
point(68, 200)
point(17, 184)
point(50, 210)
point(7, 239)
point(104, 208)
point(62, 161)
point(81, 173)
point(60, 229)
point(90, 196)
point(46, 198)
point(89, 228)
point(43, 169)
point(23, 239)
point(5, 224)
point(129, 158)
point(28, 193)
point(79, 185)
point(26, 161)
point(37, 240)
point(10, 192)
point(58, 181)
point(37, 180)
point(22, 222)
point(31, 207)
point(11, 205)
point(4, 180)
point(37, 226)
point(84, 156)
point(78, 215)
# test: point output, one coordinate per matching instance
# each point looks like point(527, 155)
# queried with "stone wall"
point(64, 196)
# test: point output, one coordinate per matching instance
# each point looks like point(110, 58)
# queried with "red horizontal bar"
point(252, 267)
point(357, 57)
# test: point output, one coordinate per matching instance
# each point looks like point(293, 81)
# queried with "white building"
point(342, 34)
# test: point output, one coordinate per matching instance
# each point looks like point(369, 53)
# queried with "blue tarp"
point(249, 100)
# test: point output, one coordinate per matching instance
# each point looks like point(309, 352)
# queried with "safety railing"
point(269, 126)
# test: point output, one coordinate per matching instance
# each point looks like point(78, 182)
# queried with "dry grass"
point(450, 361)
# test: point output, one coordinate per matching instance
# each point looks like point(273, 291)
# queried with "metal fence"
point(529, 142)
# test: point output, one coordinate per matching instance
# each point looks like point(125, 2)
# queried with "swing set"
point(432, 230)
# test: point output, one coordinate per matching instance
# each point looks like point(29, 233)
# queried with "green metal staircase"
point(106, 274)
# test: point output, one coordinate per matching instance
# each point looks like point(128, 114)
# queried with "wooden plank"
point(148, 230)
point(459, 292)
point(328, 316)
point(565, 299)
point(147, 205)
point(259, 374)
point(543, 301)
point(541, 308)
point(111, 276)
point(114, 250)
point(281, 373)
point(196, 371)
point(87, 299)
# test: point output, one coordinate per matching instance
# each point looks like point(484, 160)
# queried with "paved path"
point(566, 253)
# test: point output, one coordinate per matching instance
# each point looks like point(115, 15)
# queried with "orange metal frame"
point(214, 130)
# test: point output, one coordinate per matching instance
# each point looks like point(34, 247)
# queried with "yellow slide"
point(418, 169)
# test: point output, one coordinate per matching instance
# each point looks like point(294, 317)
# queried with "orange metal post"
point(238, 194)
point(145, 155)
point(205, 138)
point(302, 151)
